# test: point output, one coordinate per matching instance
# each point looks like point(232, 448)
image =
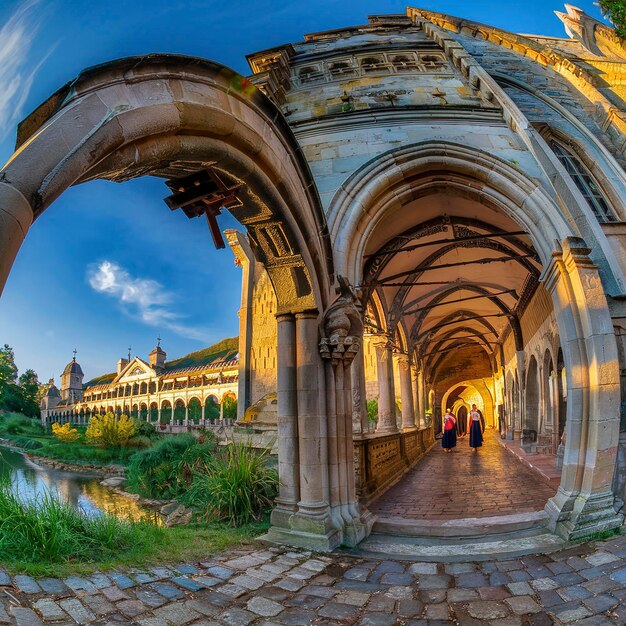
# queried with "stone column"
point(421, 403)
point(360, 422)
point(288, 465)
point(386, 393)
point(202, 413)
point(186, 423)
point(311, 420)
point(584, 501)
point(406, 394)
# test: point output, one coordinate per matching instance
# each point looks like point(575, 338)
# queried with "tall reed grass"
point(236, 485)
point(48, 530)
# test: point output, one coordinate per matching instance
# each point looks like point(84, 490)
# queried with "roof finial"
point(158, 342)
point(129, 349)
point(75, 351)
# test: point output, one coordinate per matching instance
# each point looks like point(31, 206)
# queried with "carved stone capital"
point(342, 326)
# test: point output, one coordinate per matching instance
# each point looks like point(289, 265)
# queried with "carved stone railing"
point(380, 460)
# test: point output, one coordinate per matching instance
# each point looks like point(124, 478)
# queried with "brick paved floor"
point(584, 585)
point(465, 484)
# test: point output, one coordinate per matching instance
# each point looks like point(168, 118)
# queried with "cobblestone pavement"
point(584, 585)
point(465, 484)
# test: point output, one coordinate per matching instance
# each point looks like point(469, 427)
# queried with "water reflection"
point(82, 491)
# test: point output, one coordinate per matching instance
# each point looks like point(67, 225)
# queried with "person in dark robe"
point(448, 441)
point(475, 427)
point(461, 422)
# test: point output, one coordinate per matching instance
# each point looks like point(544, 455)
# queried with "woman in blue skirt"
point(475, 429)
point(448, 441)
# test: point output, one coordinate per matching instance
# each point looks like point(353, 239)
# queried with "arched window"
point(585, 182)
point(403, 63)
point(310, 74)
point(341, 68)
point(373, 64)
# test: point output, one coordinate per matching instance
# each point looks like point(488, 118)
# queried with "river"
point(83, 491)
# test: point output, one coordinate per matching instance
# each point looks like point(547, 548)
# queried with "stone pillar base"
point(326, 542)
point(581, 517)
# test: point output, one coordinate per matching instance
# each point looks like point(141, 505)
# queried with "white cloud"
point(142, 298)
point(16, 76)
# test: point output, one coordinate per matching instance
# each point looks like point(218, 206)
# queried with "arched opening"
point(143, 412)
point(531, 421)
point(179, 411)
point(229, 406)
point(457, 248)
point(211, 408)
point(154, 412)
point(172, 117)
point(195, 410)
point(166, 412)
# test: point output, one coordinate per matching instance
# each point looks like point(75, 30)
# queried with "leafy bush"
point(166, 469)
point(110, 431)
point(65, 433)
point(49, 530)
point(16, 424)
point(139, 441)
point(229, 409)
point(236, 485)
point(145, 429)
point(372, 411)
point(615, 11)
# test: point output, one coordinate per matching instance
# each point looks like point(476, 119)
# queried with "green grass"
point(49, 537)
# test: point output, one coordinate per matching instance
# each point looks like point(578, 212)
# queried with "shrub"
point(229, 407)
point(65, 433)
point(139, 441)
point(110, 431)
point(236, 485)
point(372, 411)
point(615, 11)
point(144, 429)
point(16, 424)
point(154, 473)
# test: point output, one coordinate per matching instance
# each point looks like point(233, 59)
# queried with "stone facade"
point(153, 391)
point(434, 214)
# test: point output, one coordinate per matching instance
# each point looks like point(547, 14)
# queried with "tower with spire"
point(72, 382)
point(157, 357)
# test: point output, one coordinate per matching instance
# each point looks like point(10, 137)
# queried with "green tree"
point(230, 407)
point(615, 12)
point(8, 369)
point(29, 382)
point(22, 397)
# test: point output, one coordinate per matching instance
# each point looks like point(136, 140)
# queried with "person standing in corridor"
point(448, 441)
point(475, 429)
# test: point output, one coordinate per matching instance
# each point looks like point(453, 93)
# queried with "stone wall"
point(263, 336)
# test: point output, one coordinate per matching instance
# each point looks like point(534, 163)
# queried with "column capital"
point(403, 360)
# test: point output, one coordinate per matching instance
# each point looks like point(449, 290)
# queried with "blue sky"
point(108, 266)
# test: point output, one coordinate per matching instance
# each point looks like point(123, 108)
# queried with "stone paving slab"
point(583, 585)
point(504, 486)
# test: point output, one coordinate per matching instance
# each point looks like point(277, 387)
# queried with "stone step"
point(458, 528)
point(455, 551)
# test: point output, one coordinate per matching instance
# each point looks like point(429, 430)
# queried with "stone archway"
point(399, 184)
point(170, 116)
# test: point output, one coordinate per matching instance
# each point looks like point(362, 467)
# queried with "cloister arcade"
point(421, 259)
